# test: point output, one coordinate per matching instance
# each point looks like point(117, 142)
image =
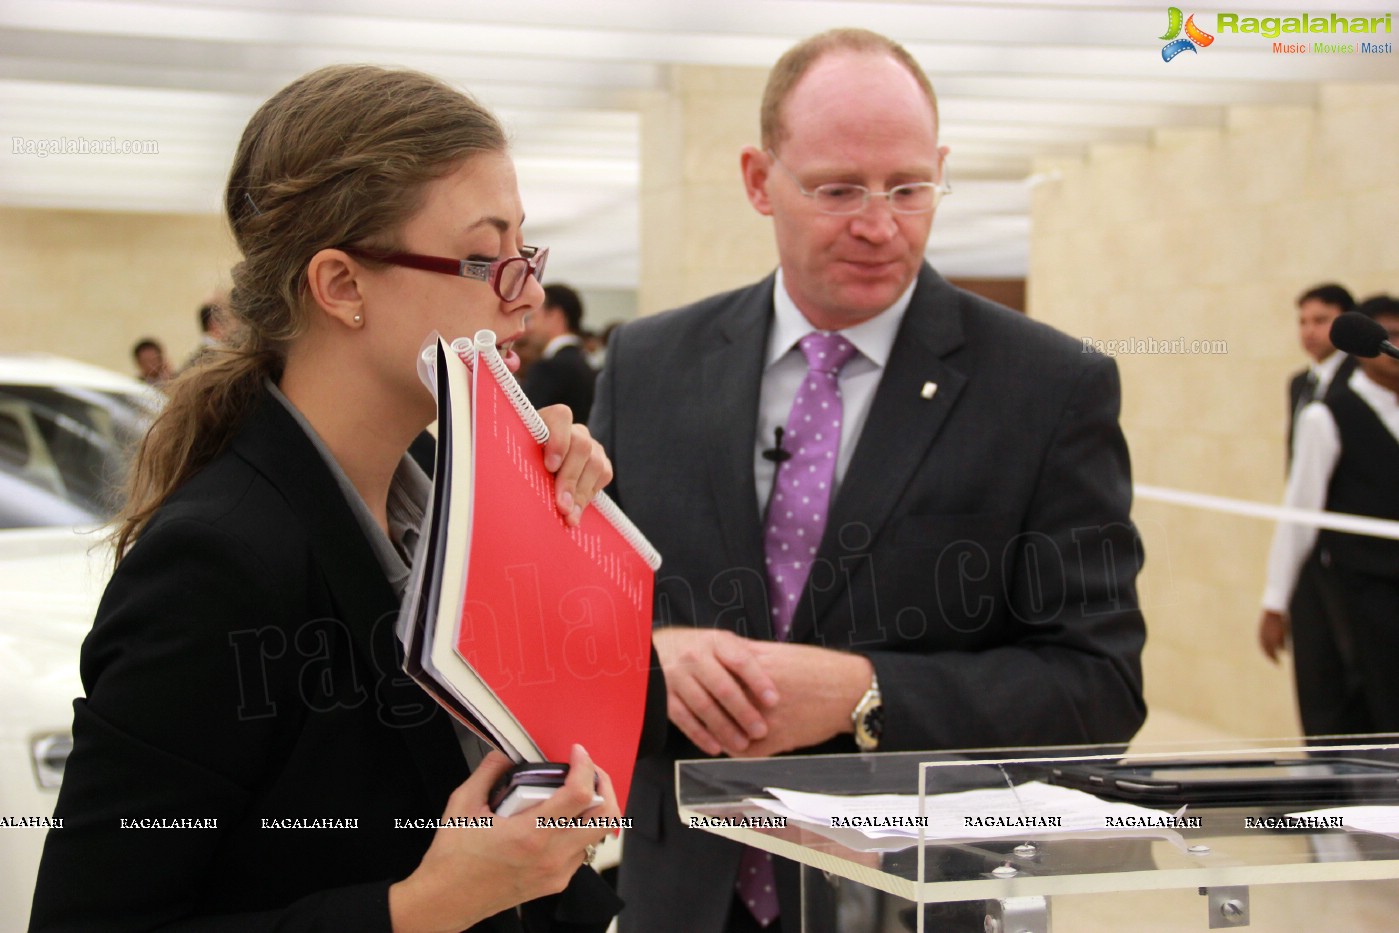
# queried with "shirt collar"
point(409, 491)
point(1379, 398)
point(559, 342)
point(1326, 369)
point(873, 338)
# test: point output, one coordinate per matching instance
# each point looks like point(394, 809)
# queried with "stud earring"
point(359, 318)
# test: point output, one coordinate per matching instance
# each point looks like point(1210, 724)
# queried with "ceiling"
point(1015, 80)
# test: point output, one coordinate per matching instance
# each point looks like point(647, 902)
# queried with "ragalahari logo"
point(1194, 36)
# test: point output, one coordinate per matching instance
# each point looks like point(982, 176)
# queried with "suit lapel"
point(366, 604)
point(732, 372)
point(895, 439)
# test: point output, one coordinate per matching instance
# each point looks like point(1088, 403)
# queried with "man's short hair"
point(567, 301)
point(797, 60)
point(1329, 294)
point(207, 315)
point(146, 343)
point(1379, 305)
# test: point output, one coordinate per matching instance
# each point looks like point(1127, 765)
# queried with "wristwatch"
point(868, 717)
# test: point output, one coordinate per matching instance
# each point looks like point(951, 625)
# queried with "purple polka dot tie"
point(796, 515)
point(795, 521)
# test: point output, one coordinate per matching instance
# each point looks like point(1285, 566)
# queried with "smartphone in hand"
point(527, 784)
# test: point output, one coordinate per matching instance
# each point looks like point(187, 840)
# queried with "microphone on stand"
point(776, 454)
point(1358, 335)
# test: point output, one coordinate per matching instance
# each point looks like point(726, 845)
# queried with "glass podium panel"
point(985, 838)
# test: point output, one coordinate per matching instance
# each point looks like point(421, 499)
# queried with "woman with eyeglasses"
point(248, 755)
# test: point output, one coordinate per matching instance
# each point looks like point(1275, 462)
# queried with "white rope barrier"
point(1336, 521)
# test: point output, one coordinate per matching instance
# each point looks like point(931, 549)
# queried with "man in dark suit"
point(562, 374)
point(973, 584)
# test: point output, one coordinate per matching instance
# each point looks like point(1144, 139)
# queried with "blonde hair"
point(797, 60)
point(340, 156)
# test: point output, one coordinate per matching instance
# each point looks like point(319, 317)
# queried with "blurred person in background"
point(592, 348)
point(1317, 310)
point(151, 366)
point(598, 359)
point(562, 374)
point(1310, 608)
point(213, 317)
point(1334, 596)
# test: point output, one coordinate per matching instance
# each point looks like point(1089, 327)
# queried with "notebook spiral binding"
point(483, 348)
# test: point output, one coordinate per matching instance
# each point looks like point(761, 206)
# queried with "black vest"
point(1365, 482)
point(1299, 393)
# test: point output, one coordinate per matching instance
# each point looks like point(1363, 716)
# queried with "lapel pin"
point(929, 389)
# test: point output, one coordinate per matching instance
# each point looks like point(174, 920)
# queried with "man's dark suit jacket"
point(243, 667)
point(564, 378)
point(978, 552)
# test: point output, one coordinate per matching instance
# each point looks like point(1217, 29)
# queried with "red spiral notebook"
point(534, 634)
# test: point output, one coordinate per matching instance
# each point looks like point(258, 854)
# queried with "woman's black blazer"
point(242, 674)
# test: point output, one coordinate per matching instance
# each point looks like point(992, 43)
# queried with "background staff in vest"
point(1317, 309)
point(1345, 459)
point(1312, 610)
point(939, 431)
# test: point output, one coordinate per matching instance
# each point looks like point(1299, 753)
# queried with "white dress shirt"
point(552, 348)
point(1325, 371)
point(785, 370)
point(1316, 447)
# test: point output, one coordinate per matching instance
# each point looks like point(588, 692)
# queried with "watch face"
point(874, 722)
point(869, 728)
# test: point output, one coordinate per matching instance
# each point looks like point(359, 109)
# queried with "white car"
point(66, 432)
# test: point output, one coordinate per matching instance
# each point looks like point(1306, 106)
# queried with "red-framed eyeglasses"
point(506, 276)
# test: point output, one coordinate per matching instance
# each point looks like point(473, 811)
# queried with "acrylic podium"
point(1238, 865)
